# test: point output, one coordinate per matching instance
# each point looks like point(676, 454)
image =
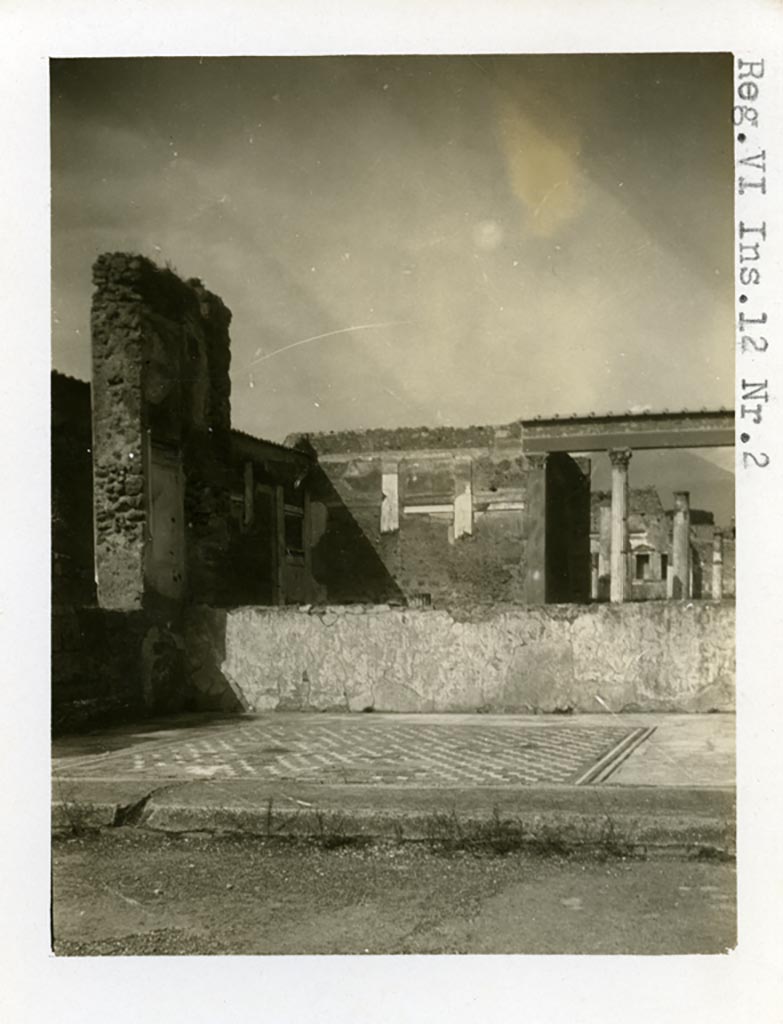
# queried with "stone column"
point(604, 548)
point(717, 566)
point(681, 546)
point(535, 530)
point(619, 589)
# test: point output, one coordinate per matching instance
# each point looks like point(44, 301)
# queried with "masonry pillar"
point(120, 451)
point(717, 566)
point(604, 548)
point(463, 497)
point(681, 546)
point(161, 421)
point(535, 530)
point(619, 589)
point(390, 503)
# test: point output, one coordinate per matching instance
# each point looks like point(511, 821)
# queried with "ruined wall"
point(522, 660)
point(161, 412)
point(110, 667)
point(427, 524)
point(151, 472)
point(701, 556)
point(73, 570)
point(73, 583)
point(403, 439)
point(106, 666)
point(272, 525)
point(729, 567)
point(650, 528)
point(468, 525)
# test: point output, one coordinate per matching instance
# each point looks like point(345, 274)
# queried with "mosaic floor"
point(359, 749)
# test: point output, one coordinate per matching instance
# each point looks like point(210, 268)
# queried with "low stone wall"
point(647, 657)
point(110, 667)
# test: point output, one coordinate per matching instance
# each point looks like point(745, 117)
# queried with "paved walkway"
point(684, 750)
point(662, 779)
point(411, 750)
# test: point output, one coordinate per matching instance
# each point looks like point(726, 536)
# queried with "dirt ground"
point(127, 892)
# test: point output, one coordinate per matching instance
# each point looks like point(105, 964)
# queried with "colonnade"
point(614, 522)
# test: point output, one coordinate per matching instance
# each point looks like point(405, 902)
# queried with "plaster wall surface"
point(459, 524)
point(648, 657)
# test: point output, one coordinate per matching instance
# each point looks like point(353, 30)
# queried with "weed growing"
point(499, 836)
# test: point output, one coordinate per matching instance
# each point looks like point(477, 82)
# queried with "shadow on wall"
point(344, 561)
point(204, 632)
point(73, 553)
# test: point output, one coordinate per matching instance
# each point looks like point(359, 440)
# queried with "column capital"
point(620, 457)
point(537, 460)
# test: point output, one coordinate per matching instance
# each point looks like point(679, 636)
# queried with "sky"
point(421, 240)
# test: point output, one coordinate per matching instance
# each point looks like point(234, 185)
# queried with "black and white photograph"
point(389, 595)
point(393, 532)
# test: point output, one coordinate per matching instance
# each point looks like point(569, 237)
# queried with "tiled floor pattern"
point(360, 751)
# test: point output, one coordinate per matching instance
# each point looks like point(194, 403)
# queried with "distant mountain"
point(706, 474)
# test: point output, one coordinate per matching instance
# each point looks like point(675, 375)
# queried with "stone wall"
point(106, 666)
point(701, 555)
point(184, 510)
point(73, 569)
point(448, 516)
point(161, 391)
point(110, 666)
point(397, 439)
point(440, 521)
point(653, 656)
point(272, 525)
